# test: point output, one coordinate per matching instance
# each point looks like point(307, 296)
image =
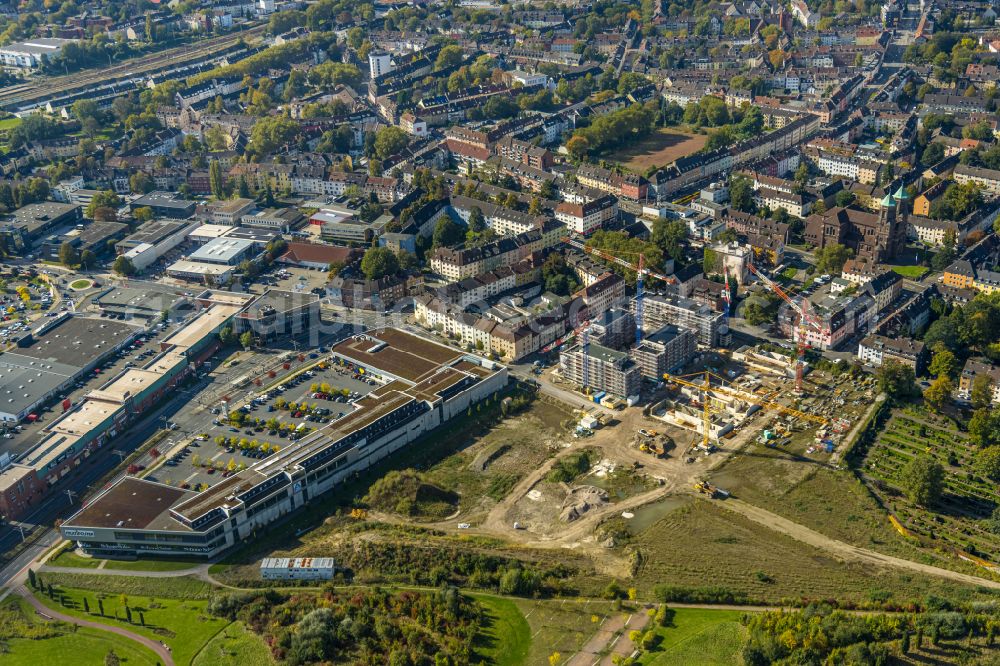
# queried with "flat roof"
point(84, 417)
point(198, 268)
point(162, 200)
point(403, 354)
point(130, 504)
point(76, 341)
point(221, 250)
point(24, 380)
point(282, 300)
point(211, 231)
point(148, 297)
point(155, 231)
point(201, 325)
point(38, 46)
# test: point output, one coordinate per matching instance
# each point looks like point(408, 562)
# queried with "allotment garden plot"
point(960, 520)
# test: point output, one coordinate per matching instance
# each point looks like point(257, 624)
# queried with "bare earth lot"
point(658, 149)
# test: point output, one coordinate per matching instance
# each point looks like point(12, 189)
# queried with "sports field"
point(658, 149)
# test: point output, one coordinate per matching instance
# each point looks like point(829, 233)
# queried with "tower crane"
point(705, 386)
point(641, 271)
point(806, 320)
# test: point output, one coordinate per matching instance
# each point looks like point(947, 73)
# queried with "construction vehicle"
point(705, 387)
point(713, 492)
point(806, 321)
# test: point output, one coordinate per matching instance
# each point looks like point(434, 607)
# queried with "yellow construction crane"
point(706, 385)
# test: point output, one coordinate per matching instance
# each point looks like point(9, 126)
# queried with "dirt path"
point(162, 652)
point(843, 550)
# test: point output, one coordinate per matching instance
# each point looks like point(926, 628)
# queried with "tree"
point(216, 183)
point(379, 262)
point(943, 363)
point(32, 579)
point(143, 214)
point(111, 659)
point(449, 56)
point(981, 393)
point(88, 259)
point(709, 261)
point(103, 199)
point(123, 266)
point(741, 194)
point(984, 427)
point(831, 259)
point(246, 339)
point(389, 141)
point(477, 222)
point(922, 480)
point(150, 29)
point(227, 337)
point(578, 146)
point(988, 462)
point(845, 198)
point(939, 392)
point(669, 236)
point(896, 380)
point(447, 233)
point(68, 255)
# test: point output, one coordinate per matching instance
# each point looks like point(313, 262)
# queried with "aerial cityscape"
point(457, 333)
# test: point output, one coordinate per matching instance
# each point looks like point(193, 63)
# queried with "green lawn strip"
point(80, 284)
point(234, 645)
point(180, 587)
point(152, 565)
point(910, 272)
point(68, 558)
point(61, 642)
point(83, 647)
point(182, 624)
point(9, 123)
point(698, 637)
point(504, 637)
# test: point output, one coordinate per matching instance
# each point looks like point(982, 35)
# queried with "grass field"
point(183, 587)
point(504, 637)
point(80, 284)
point(698, 638)
point(182, 624)
point(234, 646)
point(562, 626)
point(84, 647)
point(701, 545)
point(911, 272)
point(658, 149)
point(61, 643)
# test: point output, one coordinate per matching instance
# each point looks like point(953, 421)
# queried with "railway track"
point(52, 87)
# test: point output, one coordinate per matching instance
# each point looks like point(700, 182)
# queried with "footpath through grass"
point(234, 646)
point(183, 624)
point(698, 638)
point(28, 641)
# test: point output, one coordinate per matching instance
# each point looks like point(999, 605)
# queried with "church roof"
point(888, 201)
point(901, 194)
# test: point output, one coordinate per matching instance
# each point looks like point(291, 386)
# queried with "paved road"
point(162, 652)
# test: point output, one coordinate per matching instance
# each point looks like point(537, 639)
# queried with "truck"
point(713, 492)
point(599, 396)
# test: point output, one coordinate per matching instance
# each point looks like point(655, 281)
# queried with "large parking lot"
point(274, 419)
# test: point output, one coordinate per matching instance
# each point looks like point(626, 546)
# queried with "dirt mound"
point(408, 493)
point(580, 500)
